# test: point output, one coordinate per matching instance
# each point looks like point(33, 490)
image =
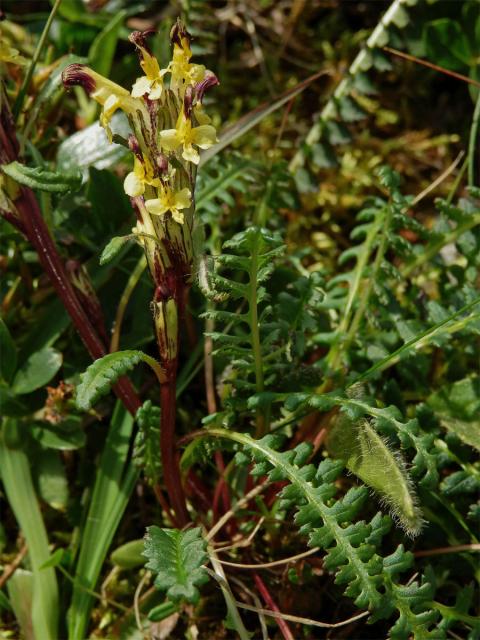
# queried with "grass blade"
point(113, 486)
point(18, 485)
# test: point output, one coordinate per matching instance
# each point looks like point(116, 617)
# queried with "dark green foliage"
point(176, 558)
point(147, 450)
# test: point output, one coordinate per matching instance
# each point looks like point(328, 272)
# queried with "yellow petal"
point(169, 139)
point(156, 207)
point(133, 185)
point(178, 216)
point(183, 199)
point(200, 116)
point(190, 154)
point(150, 65)
point(141, 87)
point(204, 136)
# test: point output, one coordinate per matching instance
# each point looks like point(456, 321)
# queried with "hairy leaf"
point(176, 557)
point(39, 178)
point(104, 372)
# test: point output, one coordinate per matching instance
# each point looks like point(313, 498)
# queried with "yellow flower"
point(183, 72)
point(152, 82)
point(186, 136)
point(169, 200)
point(142, 174)
point(108, 94)
point(9, 54)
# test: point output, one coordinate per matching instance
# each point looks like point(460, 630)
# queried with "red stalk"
point(171, 468)
point(264, 592)
point(38, 234)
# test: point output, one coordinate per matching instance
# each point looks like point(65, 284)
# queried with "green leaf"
point(368, 456)
point(113, 247)
point(51, 478)
point(8, 353)
point(55, 559)
point(104, 373)
point(102, 49)
point(177, 558)
point(39, 178)
point(5, 602)
point(37, 371)
point(458, 407)
point(447, 44)
point(162, 611)
point(115, 480)
point(129, 555)
point(90, 147)
point(68, 435)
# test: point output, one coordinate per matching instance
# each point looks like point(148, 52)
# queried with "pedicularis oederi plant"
point(320, 337)
point(169, 125)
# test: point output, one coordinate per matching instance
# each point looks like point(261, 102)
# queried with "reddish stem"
point(264, 592)
point(171, 468)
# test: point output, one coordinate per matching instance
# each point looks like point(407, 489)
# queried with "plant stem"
point(472, 146)
point(255, 338)
point(417, 341)
point(171, 468)
point(51, 262)
point(122, 305)
point(26, 82)
point(32, 224)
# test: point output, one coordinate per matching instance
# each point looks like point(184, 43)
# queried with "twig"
point(299, 620)
point(13, 566)
point(264, 592)
point(243, 543)
point(256, 602)
point(472, 143)
point(136, 600)
point(275, 563)
point(238, 505)
point(122, 305)
point(444, 550)
point(219, 575)
point(439, 180)
point(425, 63)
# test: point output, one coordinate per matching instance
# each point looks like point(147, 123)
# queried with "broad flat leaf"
point(446, 44)
point(39, 178)
point(104, 372)
point(367, 455)
point(129, 555)
point(90, 147)
point(177, 558)
point(8, 353)
point(66, 436)
point(37, 371)
point(51, 479)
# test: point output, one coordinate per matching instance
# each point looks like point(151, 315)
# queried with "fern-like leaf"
point(104, 373)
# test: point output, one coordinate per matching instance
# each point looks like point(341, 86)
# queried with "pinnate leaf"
point(39, 178)
point(104, 372)
point(177, 558)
